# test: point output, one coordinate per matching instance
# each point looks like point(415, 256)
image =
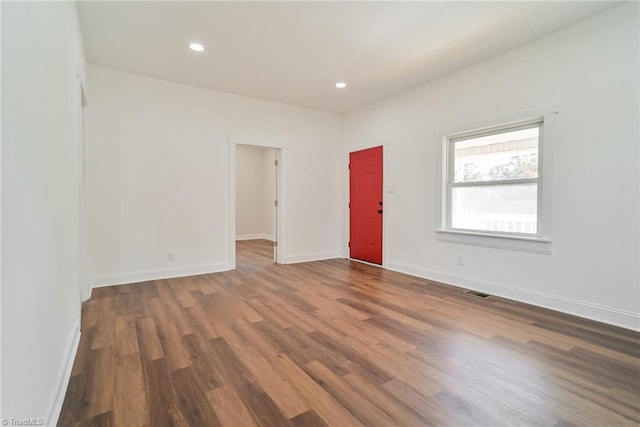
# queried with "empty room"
point(320, 213)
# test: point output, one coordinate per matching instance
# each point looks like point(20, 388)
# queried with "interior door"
point(365, 205)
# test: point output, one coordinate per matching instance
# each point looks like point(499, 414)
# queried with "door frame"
point(385, 144)
point(280, 231)
point(84, 243)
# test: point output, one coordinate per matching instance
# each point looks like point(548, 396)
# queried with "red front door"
point(365, 203)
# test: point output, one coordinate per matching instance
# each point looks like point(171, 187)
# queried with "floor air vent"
point(477, 294)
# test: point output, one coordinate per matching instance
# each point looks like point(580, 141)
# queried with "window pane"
point(504, 156)
point(504, 208)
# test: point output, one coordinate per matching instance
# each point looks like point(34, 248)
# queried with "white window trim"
point(540, 243)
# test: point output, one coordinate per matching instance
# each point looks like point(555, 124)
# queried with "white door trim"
point(83, 192)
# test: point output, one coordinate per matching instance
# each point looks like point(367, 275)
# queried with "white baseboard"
point(166, 273)
point(64, 375)
point(600, 313)
point(255, 236)
point(315, 256)
point(86, 294)
point(365, 262)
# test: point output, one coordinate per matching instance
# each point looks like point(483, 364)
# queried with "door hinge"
point(275, 244)
point(349, 205)
point(275, 203)
point(349, 244)
point(275, 163)
point(349, 166)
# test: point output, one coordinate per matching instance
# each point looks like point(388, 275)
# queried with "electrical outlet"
point(171, 256)
point(460, 261)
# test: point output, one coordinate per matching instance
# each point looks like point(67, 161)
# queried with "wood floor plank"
point(279, 389)
point(105, 329)
point(242, 334)
point(401, 414)
point(416, 401)
point(100, 383)
point(202, 324)
point(90, 313)
point(230, 408)
point(308, 419)
point(354, 359)
point(125, 302)
point(203, 363)
point(149, 342)
point(181, 292)
point(101, 420)
point(170, 339)
point(192, 399)
point(83, 355)
point(73, 405)
point(250, 314)
point(284, 343)
point(475, 379)
point(130, 399)
point(189, 284)
point(162, 399)
point(265, 311)
point(454, 406)
point(164, 292)
point(234, 373)
point(126, 336)
point(335, 362)
point(327, 407)
point(180, 319)
point(294, 315)
point(339, 343)
point(203, 285)
point(348, 396)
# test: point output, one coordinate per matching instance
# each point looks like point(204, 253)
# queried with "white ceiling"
point(294, 52)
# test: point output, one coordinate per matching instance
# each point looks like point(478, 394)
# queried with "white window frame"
point(540, 242)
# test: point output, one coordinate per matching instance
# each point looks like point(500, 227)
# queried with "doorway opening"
point(256, 207)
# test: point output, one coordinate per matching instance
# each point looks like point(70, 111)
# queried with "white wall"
point(590, 71)
point(249, 197)
point(41, 54)
point(255, 192)
point(159, 175)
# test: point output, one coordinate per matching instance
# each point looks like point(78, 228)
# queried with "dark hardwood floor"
point(340, 343)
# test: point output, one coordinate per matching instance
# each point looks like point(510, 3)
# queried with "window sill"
point(516, 243)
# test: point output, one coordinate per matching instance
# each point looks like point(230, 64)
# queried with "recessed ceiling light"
point(341, 85)
point(196, 47)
